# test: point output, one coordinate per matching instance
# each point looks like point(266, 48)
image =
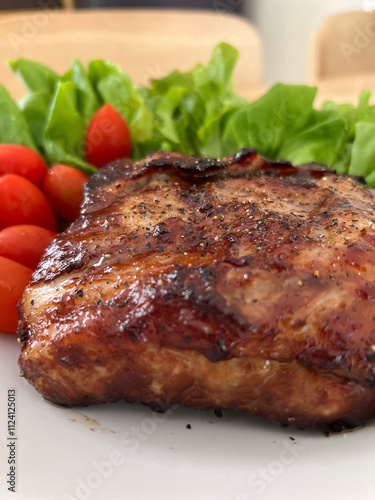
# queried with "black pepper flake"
point(126, 284)
point(160, 249)
point(291, 438)
point(148, 245)
point(187, 339)
point(79, 293)
point(182, 210)
point(32, 302)
point(99, 302)
point(218, 413)
point(188, 426)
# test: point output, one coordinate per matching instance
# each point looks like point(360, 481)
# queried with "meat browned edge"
point(239, 283)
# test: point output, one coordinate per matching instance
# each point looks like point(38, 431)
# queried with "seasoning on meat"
point(240, 283)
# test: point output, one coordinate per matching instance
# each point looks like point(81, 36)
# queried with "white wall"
point(286, 26)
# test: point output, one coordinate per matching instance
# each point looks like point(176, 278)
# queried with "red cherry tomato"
point(107, 137)
point(13, 280)
point(63, 187)
point(23, 161)
point(25, 244)
point(21, 202)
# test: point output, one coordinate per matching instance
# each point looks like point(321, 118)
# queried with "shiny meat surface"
point(238, 283)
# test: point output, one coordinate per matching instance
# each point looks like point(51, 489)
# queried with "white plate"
point(128, 452)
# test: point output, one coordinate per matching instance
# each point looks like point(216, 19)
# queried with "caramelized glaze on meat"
point(238, 283)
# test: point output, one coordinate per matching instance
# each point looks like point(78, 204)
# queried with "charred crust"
point(280, 163)
point(118, 169)
point(23, 331)
point(336, 427)
point(74, 265)
point(245, 155)
point(190, 163)
point(359, 178)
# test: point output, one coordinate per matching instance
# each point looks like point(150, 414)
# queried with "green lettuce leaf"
point(41, 82)
point(196, 112)
point(35, 109)
point(87, 100)
point(64, 135)
point(115, 87)
point(35, 76)
point(320, 142)
point(266, 123)
point(13, 125)
point(362, 161)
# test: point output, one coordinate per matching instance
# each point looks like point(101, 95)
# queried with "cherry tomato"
point(13, 280)
point(25, 244)
point(107, 137)
point(23, 161)
point(21, 202)
point(63, 187)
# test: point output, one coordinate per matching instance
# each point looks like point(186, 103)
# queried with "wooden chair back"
point(343, 46)
point(146, 43)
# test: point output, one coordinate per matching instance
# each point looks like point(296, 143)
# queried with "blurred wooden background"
point(146, 43)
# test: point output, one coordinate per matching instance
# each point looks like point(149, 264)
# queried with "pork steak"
point(239, 283)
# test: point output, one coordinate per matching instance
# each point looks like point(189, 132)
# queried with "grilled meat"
point(240, 283)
